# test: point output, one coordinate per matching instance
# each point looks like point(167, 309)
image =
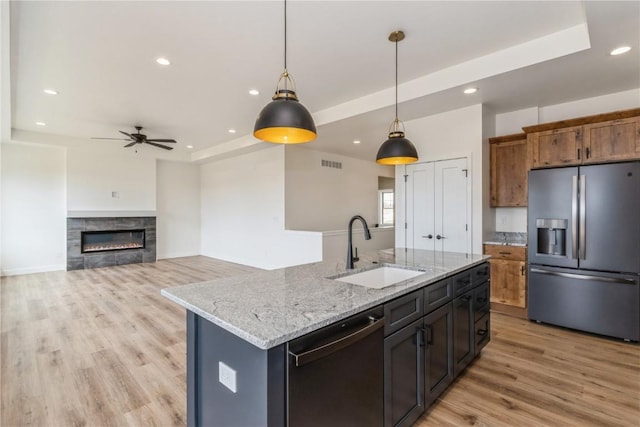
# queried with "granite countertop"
point(272, 307)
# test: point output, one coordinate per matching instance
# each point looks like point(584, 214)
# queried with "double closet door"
point(438, 203)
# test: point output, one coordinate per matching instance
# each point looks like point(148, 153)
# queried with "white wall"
point(178, 209)
point(242, 202)
point(33, 209)
point(453, 134)
point(322, 198)
point(92, 178)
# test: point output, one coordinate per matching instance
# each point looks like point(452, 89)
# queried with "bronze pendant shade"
point(397, 150)
point(285, 120)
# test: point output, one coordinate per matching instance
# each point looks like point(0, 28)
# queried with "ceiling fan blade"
point(131, 144)
point(158, 145)
point(163, 140)
point(124, 133)
point(117, 139)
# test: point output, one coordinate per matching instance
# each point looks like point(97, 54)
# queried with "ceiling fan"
point(139, 138)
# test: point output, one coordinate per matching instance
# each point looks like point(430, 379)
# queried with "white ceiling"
point(100, 56)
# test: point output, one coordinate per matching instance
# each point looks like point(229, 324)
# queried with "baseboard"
point(509, 310)
point(32, 270)
point(177, 255)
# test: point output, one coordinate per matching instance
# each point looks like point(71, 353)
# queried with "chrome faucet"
point(367, 236)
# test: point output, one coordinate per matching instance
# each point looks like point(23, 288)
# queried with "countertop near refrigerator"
point(269, 308)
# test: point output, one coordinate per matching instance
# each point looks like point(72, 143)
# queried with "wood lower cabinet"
point(508, 278)
point(509, 168)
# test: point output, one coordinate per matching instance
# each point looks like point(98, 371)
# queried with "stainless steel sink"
point(379, 277)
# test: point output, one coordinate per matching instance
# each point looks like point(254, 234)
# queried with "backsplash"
point(507, 237)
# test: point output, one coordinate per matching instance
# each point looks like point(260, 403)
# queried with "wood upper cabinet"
point(509, 168)
point(609, 137)
point(508, 274)
point(612, 140)
point(556, 147)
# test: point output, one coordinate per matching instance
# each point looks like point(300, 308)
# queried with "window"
point(385, 207)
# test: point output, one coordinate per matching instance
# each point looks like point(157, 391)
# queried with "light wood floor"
point(101, 347)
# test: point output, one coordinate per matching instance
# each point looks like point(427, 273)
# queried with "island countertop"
point(269, 308)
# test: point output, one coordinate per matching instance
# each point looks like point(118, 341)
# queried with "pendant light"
point(397, 150)
point(285, 120)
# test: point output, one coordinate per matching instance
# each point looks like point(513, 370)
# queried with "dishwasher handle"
point(324, 350)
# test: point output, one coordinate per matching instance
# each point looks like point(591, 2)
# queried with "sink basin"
point(380, 277)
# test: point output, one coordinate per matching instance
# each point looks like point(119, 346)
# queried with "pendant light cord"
point(285, 36)
point(396, 43)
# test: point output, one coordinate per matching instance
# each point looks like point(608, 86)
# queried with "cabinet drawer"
point(462, 282)
point(402, 311)
point(515, 253)
point(482, 332)
point(437, 294)
point(480, 274)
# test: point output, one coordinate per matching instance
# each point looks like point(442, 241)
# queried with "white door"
point(438, 203)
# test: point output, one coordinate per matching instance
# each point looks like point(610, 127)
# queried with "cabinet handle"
point(504, 253)
point(587, 152)
point(466, 298)
point(428, 332)
point(522, 270)
point(482, 332)
point(578, 154)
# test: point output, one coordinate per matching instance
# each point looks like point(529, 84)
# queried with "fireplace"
point(107, 241)
point(111, 240)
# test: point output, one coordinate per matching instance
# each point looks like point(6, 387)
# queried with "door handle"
point(428, 236)
point(440, 237)
point(574, 217)
point(585, 277)
point(309, 356)
point(583, 218)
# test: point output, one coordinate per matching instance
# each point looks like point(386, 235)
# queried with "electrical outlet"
point(227, 377)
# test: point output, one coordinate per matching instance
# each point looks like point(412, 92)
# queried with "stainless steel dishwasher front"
point(335, 374)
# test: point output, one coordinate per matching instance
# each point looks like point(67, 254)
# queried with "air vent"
point(331, 164)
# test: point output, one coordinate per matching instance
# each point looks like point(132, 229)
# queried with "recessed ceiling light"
point(50, 92)
point(620, 50)
point(470, 90)
point(231, 131)
point(41, 123)
point(357, 141)
point(254, 92)
point(163, 61)
point(189, 146)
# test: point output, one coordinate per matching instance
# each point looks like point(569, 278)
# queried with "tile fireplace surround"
point(76, 260)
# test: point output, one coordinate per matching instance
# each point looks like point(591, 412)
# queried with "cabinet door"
point(557, 147)
point(509, 173)
point(438, 352)
point(613, 140)
point(463, 332)
point(404, 376)
point(509, 282)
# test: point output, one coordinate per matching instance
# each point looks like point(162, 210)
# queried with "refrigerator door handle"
point(574, 217)
point(583, 217)
point(583, 276)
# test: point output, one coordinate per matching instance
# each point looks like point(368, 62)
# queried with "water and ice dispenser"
point(552, 236)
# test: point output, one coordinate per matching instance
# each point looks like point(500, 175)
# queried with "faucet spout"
point(367, 236)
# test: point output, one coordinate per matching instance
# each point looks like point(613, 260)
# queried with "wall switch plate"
point(227, 376)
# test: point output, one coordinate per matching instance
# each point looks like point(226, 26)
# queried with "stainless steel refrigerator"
point(584, 248)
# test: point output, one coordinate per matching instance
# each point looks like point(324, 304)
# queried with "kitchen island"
point(239, 329)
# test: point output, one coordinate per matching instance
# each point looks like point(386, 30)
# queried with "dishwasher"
point(335, 374)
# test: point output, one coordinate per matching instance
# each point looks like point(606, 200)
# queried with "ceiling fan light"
point(285, 121)
point(397, 150)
